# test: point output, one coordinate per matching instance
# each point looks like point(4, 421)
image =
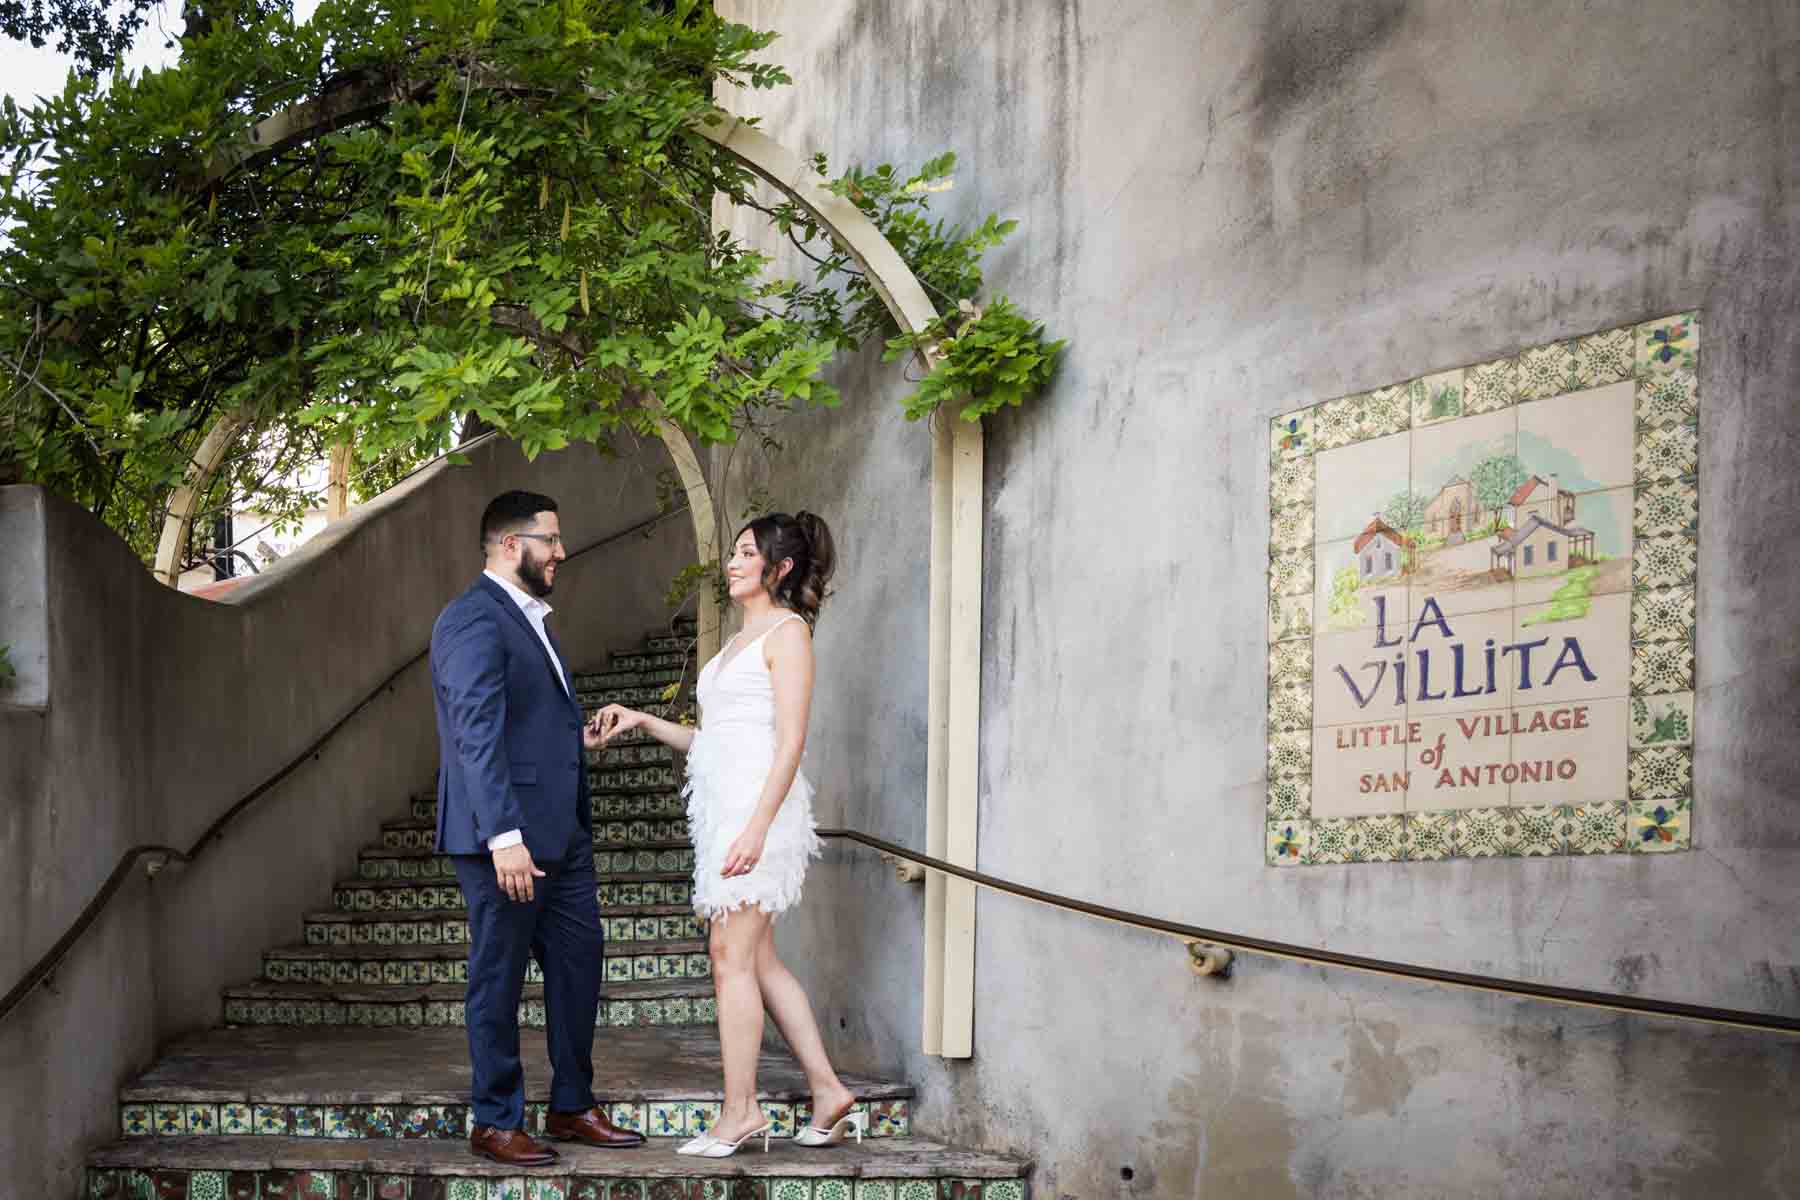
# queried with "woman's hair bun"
point(805, 540)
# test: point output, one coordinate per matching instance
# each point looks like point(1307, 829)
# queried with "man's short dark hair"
point(510, 512)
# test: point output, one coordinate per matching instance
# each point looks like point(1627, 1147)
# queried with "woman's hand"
point(609, 723)
point(745, 853)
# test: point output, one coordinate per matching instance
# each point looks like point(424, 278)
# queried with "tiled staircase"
point(343, 1071)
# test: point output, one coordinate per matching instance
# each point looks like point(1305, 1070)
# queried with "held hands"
point(609, 723)
point(745, 852)
point(515, 870)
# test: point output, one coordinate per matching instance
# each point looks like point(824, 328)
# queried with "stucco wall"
point(1233, 210)
point(164, 710)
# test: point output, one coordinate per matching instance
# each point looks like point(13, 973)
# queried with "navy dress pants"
point(560, 927)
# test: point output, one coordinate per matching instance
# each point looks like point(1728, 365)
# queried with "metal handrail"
point(45, 967)
point(1580, 997)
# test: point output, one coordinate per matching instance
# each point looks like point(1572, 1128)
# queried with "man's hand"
point(515, 870)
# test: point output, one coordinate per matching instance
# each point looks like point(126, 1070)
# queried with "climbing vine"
point(519, 233)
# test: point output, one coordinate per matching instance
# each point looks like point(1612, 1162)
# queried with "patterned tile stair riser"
point(107, 1184)
point(663, 803)
point(625, 677)
point(606, 833)
point(640, 660)
point(669, 1118)
point(394, 896)
point(436, 930)
point(688, 960)
point(697, 1009)
point(606, 862)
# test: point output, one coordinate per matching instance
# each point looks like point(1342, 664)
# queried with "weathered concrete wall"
point(165, 709)
point(1232, 210)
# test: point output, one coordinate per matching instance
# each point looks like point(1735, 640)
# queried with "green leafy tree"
point(508, 221)
point(1496, 478)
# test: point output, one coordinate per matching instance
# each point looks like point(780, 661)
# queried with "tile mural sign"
point(1482, 607)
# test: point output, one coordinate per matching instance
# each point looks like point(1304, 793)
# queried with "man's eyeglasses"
point(552, 539)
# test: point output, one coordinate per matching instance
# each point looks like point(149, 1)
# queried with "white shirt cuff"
point(501, 841)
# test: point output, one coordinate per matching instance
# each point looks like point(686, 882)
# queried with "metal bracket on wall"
point(905, 870)
point(1208, 959)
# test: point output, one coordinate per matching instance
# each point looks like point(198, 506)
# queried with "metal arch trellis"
point(957, 450)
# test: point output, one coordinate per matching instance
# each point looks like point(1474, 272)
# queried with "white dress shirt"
point(535, 611)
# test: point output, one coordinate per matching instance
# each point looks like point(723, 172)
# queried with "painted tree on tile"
point(1406, 510)
point(1496, 478)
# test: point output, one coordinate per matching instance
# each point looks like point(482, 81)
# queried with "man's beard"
point(531, 573)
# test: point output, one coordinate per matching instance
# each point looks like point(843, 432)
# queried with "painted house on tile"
point(1539, 547)
point(1380, 551)
point(1454, 511)
point(1540, 497)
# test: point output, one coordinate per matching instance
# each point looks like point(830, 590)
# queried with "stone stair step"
point(379, 862)
point(409, 895)
point(214, 1083)
point(627, 923)
point(415, 833)
point(624, 961)
point(411, 1006)
point(189, 1168)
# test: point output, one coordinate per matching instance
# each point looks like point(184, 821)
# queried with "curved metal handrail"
point(1580, 997)
point(45, 967)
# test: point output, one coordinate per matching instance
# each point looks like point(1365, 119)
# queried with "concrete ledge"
point(24, 599)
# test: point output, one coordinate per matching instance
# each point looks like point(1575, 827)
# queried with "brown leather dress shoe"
point(590, 1128)
point(514, 1147)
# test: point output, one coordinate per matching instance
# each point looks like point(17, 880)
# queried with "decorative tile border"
point(1661, 359)
point(677, 1118)
point(420, 1014)
point(109, 1184)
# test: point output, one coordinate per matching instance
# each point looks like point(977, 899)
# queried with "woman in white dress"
point(750, 817)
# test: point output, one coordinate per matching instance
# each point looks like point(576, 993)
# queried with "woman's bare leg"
point(733, 945)
point(786, 1001)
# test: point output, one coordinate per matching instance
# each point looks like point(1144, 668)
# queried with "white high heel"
point(851, 1122)
point(708, 1146)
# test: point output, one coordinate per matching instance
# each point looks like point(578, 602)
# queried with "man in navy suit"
point(514, 816)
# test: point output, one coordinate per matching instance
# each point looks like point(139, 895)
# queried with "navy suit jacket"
point(509, 735)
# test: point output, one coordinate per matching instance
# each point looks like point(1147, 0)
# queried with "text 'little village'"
point(1465, 674)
